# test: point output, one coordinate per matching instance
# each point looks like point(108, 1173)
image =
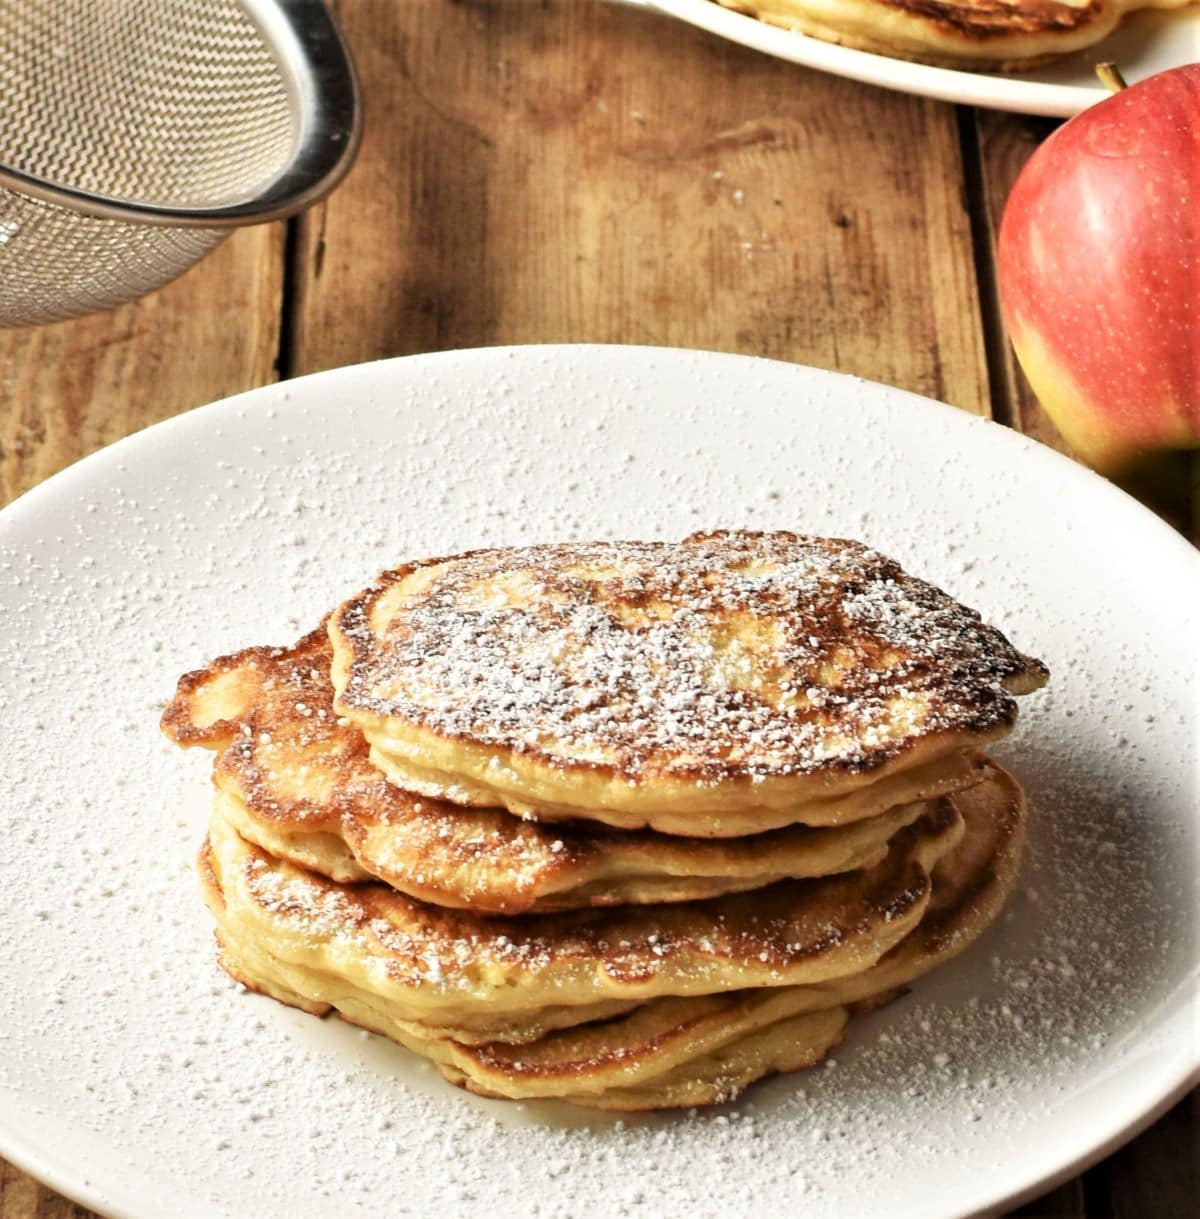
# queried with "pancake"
point(673, 1052)
point(446, 968)
point(724, 686)
point(980, 34)
point(654, 1058)
point(294, 779)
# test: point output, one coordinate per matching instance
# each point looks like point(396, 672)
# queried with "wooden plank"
point(21, 1197)
point(1065, 1202)
point(1158, 1173)
point(76, 386)
point(575, 171)
point(1005, 142)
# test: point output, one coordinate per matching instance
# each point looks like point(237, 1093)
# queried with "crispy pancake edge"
point(530, 781)
point(708, 1059)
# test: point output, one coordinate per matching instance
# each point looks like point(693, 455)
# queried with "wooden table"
point(572, 171)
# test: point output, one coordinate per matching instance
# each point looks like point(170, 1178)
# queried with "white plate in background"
point(136, 1078)
point(1148, 42)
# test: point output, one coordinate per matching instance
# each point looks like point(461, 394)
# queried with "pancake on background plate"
point(997, 35)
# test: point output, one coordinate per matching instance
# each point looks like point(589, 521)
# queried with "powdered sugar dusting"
point(126, 1058)
point(729, 655)
point(475, 965)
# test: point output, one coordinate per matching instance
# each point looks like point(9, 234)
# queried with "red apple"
point(1099, 269)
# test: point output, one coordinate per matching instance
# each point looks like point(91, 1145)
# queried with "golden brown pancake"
point(733, 755)
point(672, 1051)
point(449, 968)
point(294, 779)
point(724, 686)
point(979, 34)
point(669, 1053)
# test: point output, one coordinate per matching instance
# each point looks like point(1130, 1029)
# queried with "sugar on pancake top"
point(730, 653)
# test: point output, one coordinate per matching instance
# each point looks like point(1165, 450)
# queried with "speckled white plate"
point(136, 1078)
point(1148, 42)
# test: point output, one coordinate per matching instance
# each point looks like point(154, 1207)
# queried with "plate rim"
point(1018, 441)
point(1182, 1075)
point(989, 90)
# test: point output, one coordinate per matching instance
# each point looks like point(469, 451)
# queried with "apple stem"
point(1110, 77)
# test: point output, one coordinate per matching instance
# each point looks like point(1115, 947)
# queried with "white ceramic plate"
point(134, 1077)
point(1147, 43)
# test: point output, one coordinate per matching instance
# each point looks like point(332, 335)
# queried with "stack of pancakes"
point(627, 824)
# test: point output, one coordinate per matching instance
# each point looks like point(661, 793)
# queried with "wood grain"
point(1157, 1174)
point(1005, 142)
point(582, 172)
point(21, 1197)
point(570, 171)
point(73, 387)
point(1065, 1202)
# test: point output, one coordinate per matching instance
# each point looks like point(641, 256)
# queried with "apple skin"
point(1099, 273)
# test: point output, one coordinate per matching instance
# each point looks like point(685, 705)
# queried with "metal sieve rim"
point(324, 92)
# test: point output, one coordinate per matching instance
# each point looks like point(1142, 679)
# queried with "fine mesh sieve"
point(136, 134)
